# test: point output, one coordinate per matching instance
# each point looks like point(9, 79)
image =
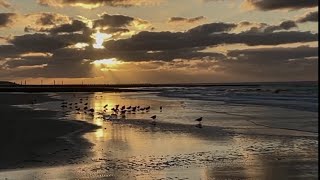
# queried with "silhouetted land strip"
point(118, 88)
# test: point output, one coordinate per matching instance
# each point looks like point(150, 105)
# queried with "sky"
point(158, 41)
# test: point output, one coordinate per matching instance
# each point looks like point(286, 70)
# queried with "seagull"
point(199, 119)
point(160, 108)
point(91, 110)
point(153, 119)
point(148, 108)
point(105, 106)
point(86, 104)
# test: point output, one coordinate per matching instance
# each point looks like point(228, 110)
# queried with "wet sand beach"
point(33, 137)
point(226, 147)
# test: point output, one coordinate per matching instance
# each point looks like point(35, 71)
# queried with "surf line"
point(263, 125)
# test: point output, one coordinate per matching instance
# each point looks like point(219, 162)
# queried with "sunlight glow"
point(80, 45)
point(109, 62)
point(100, 38)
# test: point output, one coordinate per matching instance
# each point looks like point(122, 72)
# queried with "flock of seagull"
point(116, 110)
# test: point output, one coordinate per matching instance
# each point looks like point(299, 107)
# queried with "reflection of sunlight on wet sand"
point(123, 143)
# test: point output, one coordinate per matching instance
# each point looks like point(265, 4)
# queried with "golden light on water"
point(100, 38)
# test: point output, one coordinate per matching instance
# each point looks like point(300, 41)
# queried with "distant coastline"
point(13, 87)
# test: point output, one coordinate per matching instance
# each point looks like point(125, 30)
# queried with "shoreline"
point(132, 148)
point(210, 132)
point(32, 138)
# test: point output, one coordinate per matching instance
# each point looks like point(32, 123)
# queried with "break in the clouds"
point(186, 20)
point(6, 19)
point(309, 17)
point(97, 3)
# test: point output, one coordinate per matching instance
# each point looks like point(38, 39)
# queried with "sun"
point(100, 38)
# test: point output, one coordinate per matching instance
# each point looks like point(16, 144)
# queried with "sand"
point(32, 138)
point(136, 149)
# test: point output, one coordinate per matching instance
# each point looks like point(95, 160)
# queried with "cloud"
point(9, 51)
point(270, 64)
point(118, 21)
point(48, 42)
point(74, 26)
point(48, 19)
point(27, 61)
point(107, 20)
point(267, 5)
point(185, 51)
point(5, 4)
point(309, 17)
point(6, 19)
point(271, 55)
point(186, 20)
point(212, 28)
point(97, 3)
point(285, 25)
point(207, 35)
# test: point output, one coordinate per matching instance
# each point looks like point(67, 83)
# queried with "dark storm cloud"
point(186, 20)
point(267, 5)
point(309, 17)
point(47, 43)
point(6, 19)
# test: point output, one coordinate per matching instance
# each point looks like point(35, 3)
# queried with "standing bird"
point(153, 119)
point(160, 108)
point(199, 125)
